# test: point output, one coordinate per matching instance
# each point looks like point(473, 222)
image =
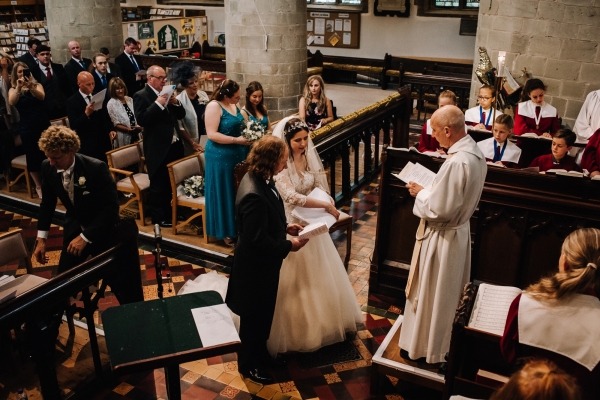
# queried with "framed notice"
point(333, 29)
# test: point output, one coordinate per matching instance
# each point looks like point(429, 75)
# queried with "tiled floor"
point(217, 377)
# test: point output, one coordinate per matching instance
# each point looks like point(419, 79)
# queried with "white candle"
point(501, 60)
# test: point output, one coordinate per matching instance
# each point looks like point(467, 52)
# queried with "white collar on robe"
point(472, 115)
point(512, 153)
point(569, 327)
point(527, 109)
point(466, 144)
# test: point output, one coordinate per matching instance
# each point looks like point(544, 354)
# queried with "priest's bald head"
point(448, 125)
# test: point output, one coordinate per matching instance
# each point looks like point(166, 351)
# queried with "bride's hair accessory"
point(294, 126)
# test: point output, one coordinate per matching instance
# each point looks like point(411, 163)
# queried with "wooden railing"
point(383, 123)
point(428, 87)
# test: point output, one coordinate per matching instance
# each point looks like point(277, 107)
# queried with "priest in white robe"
point(588, 120)
point(442, 258)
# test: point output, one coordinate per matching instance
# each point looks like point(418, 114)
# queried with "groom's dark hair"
point(265, 155)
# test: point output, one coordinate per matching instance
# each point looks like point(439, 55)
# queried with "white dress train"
point(316, 304)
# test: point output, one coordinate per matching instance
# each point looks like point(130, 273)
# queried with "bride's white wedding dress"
point(316, 304)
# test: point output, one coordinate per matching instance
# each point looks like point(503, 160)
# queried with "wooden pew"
point(426, 88)
point(165, 62)
point(345, 69)
point(517, 231)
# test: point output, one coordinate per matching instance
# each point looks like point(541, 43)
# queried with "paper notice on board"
point(310, 39)
point(215, 325)
point(329, 25)
point(132, 30)
point(319, 40)
point(347, 25)
point(309, 25)
point(339, 25)
point(319, 26)
point(347, 38)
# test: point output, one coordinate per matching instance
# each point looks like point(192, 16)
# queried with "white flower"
point(193, 186)
point(253, 131)
point(81, 180)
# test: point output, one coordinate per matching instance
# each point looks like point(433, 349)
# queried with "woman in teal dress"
point(255, 110)
point(225, 148)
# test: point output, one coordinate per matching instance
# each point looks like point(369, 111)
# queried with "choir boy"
point(498, 149)
point(562, 142)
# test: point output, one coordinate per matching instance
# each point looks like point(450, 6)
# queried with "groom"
point(260, 250)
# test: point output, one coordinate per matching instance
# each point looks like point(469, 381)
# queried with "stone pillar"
point(266, 42)
point(557, 41)
point(93, 23)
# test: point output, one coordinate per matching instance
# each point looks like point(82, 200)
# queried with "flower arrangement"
point(193, 186)
point(252, 131)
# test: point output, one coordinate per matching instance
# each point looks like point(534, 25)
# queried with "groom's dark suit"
point(260, 250)
point(94, 211)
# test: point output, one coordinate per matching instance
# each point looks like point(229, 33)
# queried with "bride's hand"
point(333, 211)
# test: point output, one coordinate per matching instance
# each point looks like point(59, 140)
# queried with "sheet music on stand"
point(491, 308)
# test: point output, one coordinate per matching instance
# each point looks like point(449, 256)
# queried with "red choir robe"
point(428, 142)
point(591, 155)
point(525, 119)
point(546, 162)
point(510, 157)
point(476, 115)
point(512, 349)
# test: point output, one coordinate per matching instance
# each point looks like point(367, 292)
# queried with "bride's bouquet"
point(193, 186)
point(252, 131)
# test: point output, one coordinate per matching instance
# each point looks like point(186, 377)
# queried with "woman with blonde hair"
point(27, 95)
point(315, 108)
point(558, 318)
point(539, 380)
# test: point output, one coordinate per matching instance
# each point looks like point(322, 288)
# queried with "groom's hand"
point(297, 244)
point(294, 229)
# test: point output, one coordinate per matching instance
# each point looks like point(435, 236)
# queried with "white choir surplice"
point(588, 120)
point(473, 116)
point(445, 257)
point(512, 153)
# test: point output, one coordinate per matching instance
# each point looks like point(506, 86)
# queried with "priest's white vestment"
point(445, 254)
point(588, 120)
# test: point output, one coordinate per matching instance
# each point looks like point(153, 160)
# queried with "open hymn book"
point(418, 174)
point(427, 153)
point(491, 308)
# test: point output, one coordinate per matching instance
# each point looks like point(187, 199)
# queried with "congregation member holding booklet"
point(498, 149)
point(441, 261)
point(316, 305)
point(558, 318)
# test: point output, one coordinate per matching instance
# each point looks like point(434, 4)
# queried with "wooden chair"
point(19, 162)
point(344, 222)
point(135, 183)
point(12, 248)
point(64, 121)
point(178, 171)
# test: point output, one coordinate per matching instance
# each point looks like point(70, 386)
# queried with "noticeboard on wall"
point(333, 29)
point(168, 34)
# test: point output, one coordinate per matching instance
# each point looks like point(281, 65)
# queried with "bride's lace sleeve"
point(287, 191)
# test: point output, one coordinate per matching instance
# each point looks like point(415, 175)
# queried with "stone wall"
point(93, 23)
point(275, 56)
point(557, 41)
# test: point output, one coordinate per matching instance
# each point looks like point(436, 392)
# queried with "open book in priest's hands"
point(491, 308)
point(418, 174)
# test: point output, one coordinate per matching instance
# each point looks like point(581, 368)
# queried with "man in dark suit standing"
point(259, 253)
point(29, 57)
point(159, 116)
point(130, 65)
point(76, 64)
point(88, 192)
point(53, 78)
point(113, 68)
point(94, 129)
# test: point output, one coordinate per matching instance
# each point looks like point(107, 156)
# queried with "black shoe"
point(443, 368)
point(258, 375)
point(166, 224)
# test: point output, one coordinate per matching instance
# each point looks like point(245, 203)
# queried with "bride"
point(316, 304)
